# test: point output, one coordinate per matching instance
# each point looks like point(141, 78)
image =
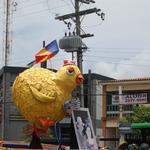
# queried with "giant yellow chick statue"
point(39, 93)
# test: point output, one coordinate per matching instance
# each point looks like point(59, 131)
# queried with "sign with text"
point(139, 98)
point(125, 127)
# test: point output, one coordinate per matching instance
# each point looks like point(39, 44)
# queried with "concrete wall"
point(12, 122)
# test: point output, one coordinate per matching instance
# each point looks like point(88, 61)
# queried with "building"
point(12, 122)
point(93, 99)
point(119, 96)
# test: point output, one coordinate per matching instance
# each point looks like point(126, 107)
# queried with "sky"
point(120, 47)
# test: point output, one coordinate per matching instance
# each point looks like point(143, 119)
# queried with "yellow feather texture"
point(40, 93)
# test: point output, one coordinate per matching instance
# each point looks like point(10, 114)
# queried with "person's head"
point(134, 147)
point(104, 148)
point(123, 145)
point(79, 120)
point(144, 146)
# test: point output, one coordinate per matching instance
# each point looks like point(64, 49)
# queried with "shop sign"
point(125, 127)
point(139, 98)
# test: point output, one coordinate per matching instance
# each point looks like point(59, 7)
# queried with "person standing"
point(144, 146)
point(123, 146)
point(81, 136)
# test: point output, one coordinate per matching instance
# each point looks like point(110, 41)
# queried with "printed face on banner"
point(84, 130)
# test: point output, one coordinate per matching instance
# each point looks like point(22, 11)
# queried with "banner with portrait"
point(84, 129)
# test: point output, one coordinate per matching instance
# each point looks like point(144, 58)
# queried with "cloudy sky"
point(120, 47)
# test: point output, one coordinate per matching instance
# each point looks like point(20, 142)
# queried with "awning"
point(140, 125)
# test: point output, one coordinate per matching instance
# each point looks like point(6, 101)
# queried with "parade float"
point(44, 98)
point(40, 94)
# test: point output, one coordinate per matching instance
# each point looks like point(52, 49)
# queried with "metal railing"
point(114, 109)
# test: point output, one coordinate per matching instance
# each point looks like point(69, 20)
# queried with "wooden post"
point(44, 64)
point(104, 111)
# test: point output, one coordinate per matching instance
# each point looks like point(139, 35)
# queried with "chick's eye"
point(70, 71)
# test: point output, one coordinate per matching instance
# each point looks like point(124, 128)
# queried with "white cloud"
point(135, 67)
point(125, 29)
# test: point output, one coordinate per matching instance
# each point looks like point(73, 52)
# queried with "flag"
point(47, 52)
point(31, 63)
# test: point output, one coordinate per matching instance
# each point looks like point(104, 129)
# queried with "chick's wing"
point(43, 97)
point(44, 91)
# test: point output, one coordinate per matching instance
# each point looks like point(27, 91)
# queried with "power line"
point(24, 1)
point(93, 26)
point(30, 5)
point(76, 18)
point(119, 52)
point(68, 4)
point(106, 57)
point(32, 13)
point(116, 58)
point(37, 12)
point(118, 63)
point(39, 2)
point(120, 48)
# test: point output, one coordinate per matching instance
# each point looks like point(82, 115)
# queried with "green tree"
point(140, 114)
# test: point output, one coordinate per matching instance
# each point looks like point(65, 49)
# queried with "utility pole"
point(6, 35)
point(8, 12)
point(6, 52)
point(9, 8)
point(76, 17)
point(78, 25)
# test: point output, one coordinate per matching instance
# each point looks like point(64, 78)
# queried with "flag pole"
point(44, 64)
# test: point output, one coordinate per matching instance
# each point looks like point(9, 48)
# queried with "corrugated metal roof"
point(97, 76)
point(127, 80)
point(15, 70)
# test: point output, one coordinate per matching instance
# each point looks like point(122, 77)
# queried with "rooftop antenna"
point(9, 8)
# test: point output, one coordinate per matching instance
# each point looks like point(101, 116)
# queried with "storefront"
point(119, 97)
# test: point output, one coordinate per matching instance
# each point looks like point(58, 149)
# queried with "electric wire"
point(93, 25)
point(40, 2)
point(119, 63)
point(120, 48)
point(118, 52)
point(89, 61)
point(100, 48)
point(35, 12)
point(116, 58)
point(50, 9)
point(31, 13)
point(29, 5)
point(68, 4)
point(72, 3)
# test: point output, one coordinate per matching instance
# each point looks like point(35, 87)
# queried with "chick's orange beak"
point(79, 79)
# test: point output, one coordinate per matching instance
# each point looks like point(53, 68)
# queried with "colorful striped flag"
point(31, 63)
point(47, 52)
